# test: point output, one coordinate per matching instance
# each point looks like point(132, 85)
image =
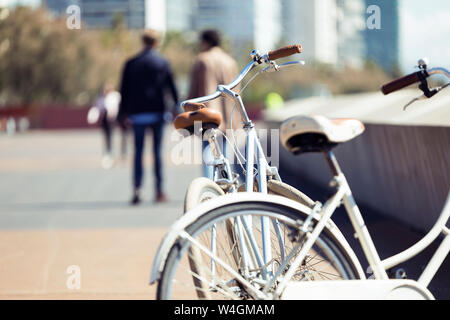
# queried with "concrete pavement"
point(59, 208)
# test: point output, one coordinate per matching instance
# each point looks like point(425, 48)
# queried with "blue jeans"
point(139, 137)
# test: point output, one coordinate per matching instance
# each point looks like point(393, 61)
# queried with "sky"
point(424, 31)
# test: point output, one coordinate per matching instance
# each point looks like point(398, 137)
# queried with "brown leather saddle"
point(197, 113)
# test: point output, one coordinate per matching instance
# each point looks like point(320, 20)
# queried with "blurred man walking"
point(212, 67)
point(145, 80)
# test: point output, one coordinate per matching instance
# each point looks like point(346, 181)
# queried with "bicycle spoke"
point(239, 278)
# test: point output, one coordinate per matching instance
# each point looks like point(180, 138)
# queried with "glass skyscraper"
point(351, 24)
point(383, 45)
point(251, 22)
point(335, 31)
point(101, 13)
point(313, 25)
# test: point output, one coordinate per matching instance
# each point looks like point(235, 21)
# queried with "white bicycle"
point(254, 245)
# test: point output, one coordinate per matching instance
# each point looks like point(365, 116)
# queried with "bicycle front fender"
point(189, 217)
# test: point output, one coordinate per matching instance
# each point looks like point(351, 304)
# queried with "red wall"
point(68, 117)
point(49, 117)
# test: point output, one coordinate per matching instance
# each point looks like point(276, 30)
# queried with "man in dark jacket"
point(145, 80)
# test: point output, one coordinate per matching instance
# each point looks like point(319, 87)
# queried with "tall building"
point(351, 24)
point(291, 24)
point(313, 25)
point(137, 14)
point(267, 24)
point(252, 22)
point(179, 14)
point(382, 46)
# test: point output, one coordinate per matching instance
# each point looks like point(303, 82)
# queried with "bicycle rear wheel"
point(234, 278)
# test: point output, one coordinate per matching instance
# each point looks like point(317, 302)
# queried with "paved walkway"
point(59, 208)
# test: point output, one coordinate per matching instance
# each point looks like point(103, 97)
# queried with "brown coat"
point(211, 68)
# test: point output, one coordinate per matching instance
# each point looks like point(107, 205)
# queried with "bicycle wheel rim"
point(326, 244)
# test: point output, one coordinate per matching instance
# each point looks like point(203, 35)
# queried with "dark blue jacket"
point(145, 80)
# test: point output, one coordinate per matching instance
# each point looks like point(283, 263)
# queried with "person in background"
point(145, 80)
point(213, 66)
point(104, 112)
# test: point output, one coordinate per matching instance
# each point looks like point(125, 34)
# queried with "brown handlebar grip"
point(401, 82)
point(191, 106)
point(285, 52)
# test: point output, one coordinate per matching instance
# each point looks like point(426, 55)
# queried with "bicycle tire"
point(285, 190)
point(199, 190)
point(327, 245)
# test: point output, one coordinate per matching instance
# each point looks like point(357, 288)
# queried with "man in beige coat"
point(213, 67)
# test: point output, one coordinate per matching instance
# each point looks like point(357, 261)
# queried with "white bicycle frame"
point(378, 266)
point(253, 148)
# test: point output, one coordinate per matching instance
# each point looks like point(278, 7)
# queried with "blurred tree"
point(312, 76)
point(179, 49)
point(45, 62)
point(118, 21)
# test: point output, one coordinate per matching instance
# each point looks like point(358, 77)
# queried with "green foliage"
point(42, 61)
point(179, 49)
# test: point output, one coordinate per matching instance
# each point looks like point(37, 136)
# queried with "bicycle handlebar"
point(284, 52)
point(419, 76)
point(403, 82)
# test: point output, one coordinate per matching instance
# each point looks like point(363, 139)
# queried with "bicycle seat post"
point(332, 163)
point(211, 135)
